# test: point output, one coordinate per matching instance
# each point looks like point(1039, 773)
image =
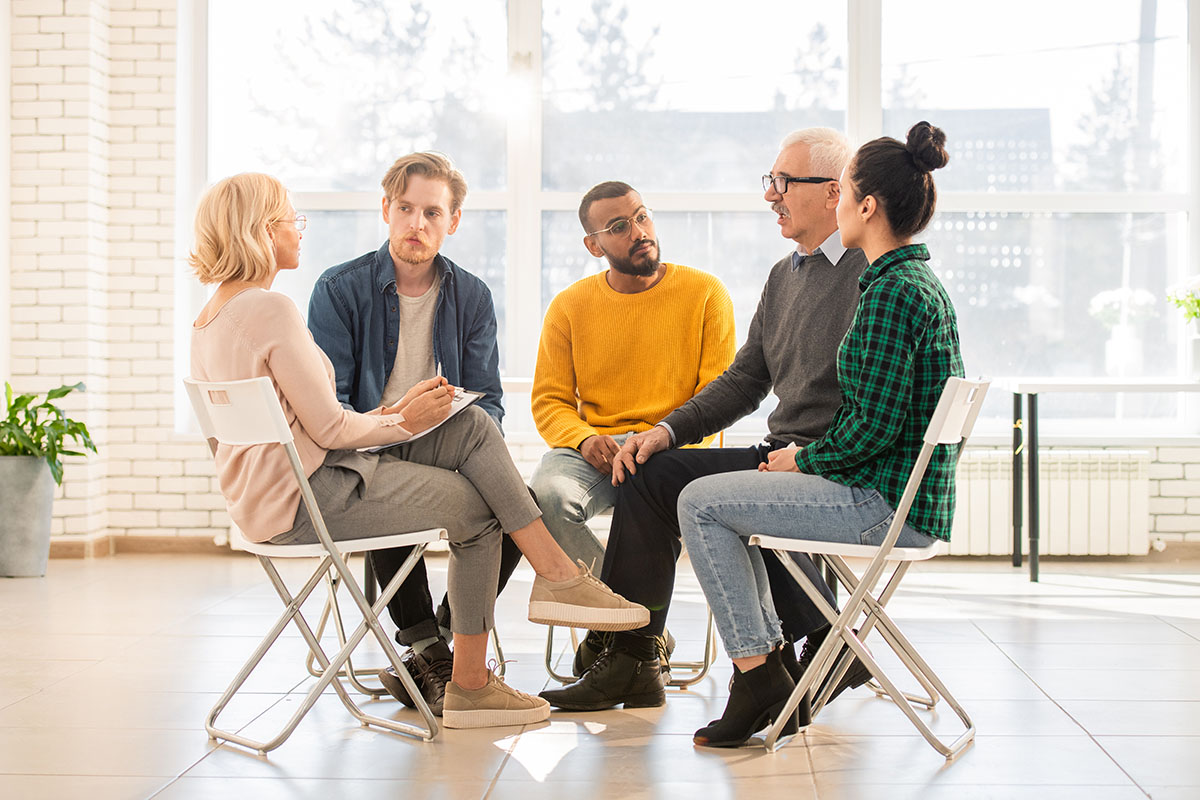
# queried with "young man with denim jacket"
point(398, 315)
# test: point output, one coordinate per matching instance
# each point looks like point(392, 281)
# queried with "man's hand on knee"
point(637, 450)
point(599, 451)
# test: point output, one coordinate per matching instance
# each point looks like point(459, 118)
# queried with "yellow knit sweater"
point(610, 363)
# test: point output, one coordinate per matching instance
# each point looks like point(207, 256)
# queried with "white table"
point(1030, 388)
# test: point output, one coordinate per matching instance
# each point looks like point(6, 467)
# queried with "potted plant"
point(32, 439)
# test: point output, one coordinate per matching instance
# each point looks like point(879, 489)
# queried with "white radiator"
point(1094, 502)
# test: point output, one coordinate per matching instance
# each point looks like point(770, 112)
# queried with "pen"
point(438, 369)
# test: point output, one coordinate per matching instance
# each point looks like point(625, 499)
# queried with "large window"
point(1063, 217)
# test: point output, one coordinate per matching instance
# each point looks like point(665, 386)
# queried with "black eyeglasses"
point(780, 182)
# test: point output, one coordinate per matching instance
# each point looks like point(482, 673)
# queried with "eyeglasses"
point(622, 226)
point(780, 182)
point(300, 221)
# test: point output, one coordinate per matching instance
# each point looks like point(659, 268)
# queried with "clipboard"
point(462, 398)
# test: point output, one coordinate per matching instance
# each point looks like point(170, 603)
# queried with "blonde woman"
point(459, 477)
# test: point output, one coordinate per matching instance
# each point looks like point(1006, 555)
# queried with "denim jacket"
point(354, 317)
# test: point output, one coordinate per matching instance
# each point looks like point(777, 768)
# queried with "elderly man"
point(390, 318)
point(805, 310)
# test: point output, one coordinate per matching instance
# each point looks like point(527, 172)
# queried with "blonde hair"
point(232, 221)
point(434, 166)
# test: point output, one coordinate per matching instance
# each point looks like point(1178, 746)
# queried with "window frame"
point(523, 192)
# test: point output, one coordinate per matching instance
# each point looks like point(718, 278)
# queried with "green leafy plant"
point(1188, 302)
point(30, 428)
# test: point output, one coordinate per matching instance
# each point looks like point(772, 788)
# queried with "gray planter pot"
point(26, 498)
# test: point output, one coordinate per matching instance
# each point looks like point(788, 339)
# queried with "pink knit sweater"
point(256, 333)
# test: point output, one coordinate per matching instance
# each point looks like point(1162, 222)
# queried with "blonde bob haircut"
point(233, 220)
point(431, 165)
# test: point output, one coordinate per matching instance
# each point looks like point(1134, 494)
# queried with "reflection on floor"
point(1086, 685)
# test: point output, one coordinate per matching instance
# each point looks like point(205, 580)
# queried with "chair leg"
point(351, 674)
point(550, 656)
point(329, 668)
point(291, 610)
point(500, 662)
point(370, 622)
point(887, 629)
point(697, 669)
point(841, 633)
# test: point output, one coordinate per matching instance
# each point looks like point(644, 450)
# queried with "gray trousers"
point(459, 477)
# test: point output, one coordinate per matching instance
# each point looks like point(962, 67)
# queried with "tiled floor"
point(1085, 686)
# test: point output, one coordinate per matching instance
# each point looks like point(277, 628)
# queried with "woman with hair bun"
point(845, 486)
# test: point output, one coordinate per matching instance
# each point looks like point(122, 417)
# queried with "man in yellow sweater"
point(619, 351)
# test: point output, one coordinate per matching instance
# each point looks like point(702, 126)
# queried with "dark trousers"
point(644, 541)
point(412, 606)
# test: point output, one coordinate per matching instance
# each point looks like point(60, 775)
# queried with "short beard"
point(410, 255)
point(648, 266)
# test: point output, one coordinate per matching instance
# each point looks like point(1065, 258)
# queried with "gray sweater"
point(792, 344)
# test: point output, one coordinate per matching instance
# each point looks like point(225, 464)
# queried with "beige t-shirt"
point(414, 350)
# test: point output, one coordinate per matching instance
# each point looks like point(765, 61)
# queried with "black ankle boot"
point(755, 700)
point(590, 648)
point(787, 655)
point(616, 678)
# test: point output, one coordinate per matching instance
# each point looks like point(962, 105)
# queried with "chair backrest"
point(956, 411)
point(952, 420)
point(241, 412)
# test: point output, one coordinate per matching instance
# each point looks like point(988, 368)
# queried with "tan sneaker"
point(493, 704)
point(583, 602)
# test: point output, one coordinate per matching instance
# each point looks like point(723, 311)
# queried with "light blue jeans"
point(570, 491)
point(718, 514)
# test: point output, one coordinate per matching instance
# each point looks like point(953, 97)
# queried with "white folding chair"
point(247, 412)
point(951, 423)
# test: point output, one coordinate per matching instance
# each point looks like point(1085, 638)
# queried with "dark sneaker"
point(615, 678)
point(430, 670)
point(856, 675)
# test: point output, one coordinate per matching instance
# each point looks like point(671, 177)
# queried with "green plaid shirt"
point(892, 365)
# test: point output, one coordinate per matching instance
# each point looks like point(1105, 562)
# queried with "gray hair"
point(829, 152)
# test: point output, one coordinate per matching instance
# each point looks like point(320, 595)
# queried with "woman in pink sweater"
point(459, 476)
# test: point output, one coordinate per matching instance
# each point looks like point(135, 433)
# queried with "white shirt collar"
point(832, 248)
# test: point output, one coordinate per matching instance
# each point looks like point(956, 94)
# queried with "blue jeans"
point(570, 491)
point(717, 514)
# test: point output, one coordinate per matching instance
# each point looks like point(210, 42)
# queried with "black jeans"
point(412, 606)
point(644, 541)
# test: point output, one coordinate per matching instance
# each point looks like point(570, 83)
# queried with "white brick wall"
point(92, 101)
point(93, 197)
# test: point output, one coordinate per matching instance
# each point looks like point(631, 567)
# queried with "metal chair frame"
point(951, 423)
point(348, 672)
point(247, 412)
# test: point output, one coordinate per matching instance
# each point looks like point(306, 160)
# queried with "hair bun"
point(927, 146)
